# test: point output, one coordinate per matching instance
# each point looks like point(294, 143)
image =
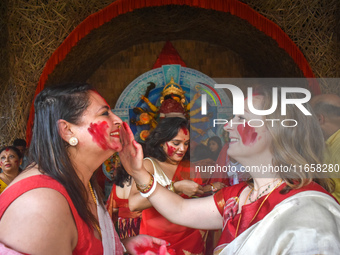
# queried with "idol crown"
point(172, 88)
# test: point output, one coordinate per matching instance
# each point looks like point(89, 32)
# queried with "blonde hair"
point(302, 144)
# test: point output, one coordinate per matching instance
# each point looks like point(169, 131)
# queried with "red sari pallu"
point(182, 240)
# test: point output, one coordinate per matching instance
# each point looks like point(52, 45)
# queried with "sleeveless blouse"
point(87, 243)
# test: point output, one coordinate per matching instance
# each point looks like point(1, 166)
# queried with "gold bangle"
point(172, 187)
point(213, 188)
point(145, 188)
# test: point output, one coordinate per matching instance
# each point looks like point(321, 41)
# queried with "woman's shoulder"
point(34, 179)
point(234, 190)
point(149, 164)
point(42, 199)
point(40, 191)
point(38, 214)
point(34, 171)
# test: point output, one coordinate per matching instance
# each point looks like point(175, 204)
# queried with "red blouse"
point(87, 243)
point(249, 211)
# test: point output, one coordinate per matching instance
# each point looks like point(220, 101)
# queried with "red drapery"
point(119, 7)
point(168, 56)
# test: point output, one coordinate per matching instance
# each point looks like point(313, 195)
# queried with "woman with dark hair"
point(167, 149)
point(215, 145)
point(128, 222)
point(10, 160)
point(55, 205)
point(286, 207)
point(167, 130)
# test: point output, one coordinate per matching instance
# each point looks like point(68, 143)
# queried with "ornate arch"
point(119, 8)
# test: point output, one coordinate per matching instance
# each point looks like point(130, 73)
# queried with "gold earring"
point(73, 141)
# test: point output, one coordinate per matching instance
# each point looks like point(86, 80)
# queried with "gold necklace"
point(260, 195)
point(239, 220)
point(95, 201)
point(265, 184)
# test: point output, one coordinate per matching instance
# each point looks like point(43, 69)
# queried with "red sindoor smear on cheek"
point(98, 132)
point(171, 149)
point(247, 134)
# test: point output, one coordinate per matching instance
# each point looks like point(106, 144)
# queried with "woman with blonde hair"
point(283, 209)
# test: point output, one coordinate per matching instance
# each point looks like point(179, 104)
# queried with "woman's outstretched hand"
point(146, 245)
point(131, 154)
point(189, 188)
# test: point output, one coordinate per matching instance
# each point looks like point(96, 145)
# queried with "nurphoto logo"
point(239, 99)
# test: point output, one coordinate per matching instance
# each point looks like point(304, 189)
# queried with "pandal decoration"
point(173, 104)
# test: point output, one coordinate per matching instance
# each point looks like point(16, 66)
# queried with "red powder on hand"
point(159, 250)
point(140, 250)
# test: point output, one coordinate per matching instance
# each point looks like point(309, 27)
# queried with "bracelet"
point(144, 188)
point(171, 187)
point(152, 189)
point(213, 188)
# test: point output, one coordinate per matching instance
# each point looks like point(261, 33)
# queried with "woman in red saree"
point(55, 206)
point(284, 209)
point(166, 148)
point(117, 205)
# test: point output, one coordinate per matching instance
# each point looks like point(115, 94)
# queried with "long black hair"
point(121, 177)
point(165, 131)
point(49, 151)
